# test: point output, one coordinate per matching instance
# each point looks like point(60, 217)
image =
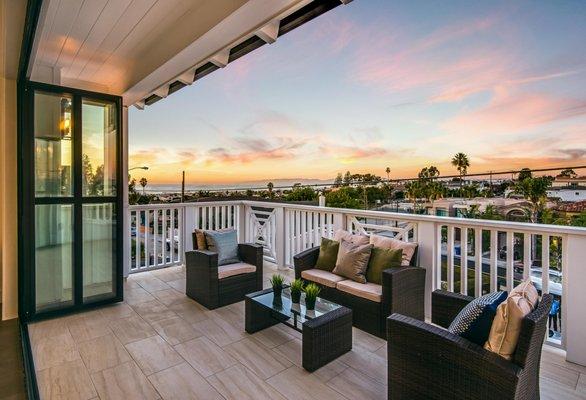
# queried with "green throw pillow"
point(328, 253)
point(381, 259)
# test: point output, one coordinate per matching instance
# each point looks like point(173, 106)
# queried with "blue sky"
point(372, 84)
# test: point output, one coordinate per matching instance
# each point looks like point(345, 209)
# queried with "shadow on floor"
point(11, 367)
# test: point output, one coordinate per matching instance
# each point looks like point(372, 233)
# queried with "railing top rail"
point(465, 222)
point(460, 222)
point(183, 205)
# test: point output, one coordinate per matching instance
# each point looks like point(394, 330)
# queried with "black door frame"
point(27, 201)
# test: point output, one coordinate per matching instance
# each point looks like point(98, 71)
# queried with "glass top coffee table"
point(326, 331)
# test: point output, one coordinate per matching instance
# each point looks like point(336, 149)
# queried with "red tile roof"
point(577, 206)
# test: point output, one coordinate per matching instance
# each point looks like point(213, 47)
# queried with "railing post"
point(280, 237)
point(574, 298)
point(188, 227)
point(428, 248)
point(339, 221)
point(241, 222)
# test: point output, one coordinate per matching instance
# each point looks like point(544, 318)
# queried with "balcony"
point(168, 335)
point(159, 342)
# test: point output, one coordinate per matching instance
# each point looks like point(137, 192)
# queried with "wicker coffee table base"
point(324, 338)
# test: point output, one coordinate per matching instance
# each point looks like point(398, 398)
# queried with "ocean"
point(254, 185)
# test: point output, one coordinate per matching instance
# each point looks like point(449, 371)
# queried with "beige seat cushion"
point(369, 291)
point(227, 270)
point(322, 277)
point(506, 326)
point(341, 234)
point(394, 244)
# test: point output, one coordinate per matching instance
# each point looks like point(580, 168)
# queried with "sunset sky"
point(381, 83)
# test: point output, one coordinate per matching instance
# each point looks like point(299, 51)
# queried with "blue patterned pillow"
point(225, 243)
point(474, 321)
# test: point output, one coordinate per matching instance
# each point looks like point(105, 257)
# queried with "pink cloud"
point(448, 64)
point(510, 113)
point(247, 150)
point(394, 62)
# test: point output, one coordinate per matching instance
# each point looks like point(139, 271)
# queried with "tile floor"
point(159, 344)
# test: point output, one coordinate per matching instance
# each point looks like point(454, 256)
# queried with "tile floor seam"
point(87, 371)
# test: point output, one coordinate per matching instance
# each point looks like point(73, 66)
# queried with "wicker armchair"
point(402, 292)
point(428, 362)
point(205, 286)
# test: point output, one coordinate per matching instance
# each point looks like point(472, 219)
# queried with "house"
point(568, 193)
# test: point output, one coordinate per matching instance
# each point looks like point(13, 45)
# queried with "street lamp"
point(144, 167)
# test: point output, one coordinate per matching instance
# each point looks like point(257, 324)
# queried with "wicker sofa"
point(402, 291)
point(428, 362)
point(215, 286)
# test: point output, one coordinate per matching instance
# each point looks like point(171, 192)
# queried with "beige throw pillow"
point(341, 234)
point(394, 244)
point(528, 291)
point(352, 261)
point(506, 326)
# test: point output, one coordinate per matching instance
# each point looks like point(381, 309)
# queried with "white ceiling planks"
point(112, 44)
point(137, 48)
point(85, 21)
point(134, 50)
point(110, 16)
point(60, 18)
point(130, 18)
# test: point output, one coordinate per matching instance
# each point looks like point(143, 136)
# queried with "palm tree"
point(428, 173)
point(524, 174)
point(568, 173)
point(534, 190)
point(270, 186)
point(143, 182)
point(412, 192)
point(461, 162)
point(388, 171)
point(435, 191)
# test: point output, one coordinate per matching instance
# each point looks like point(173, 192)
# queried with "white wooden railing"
point(156, 236)
point(497, 254)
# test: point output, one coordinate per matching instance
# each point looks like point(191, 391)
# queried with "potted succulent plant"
point(277, 282)
point(296, 289)
point(311, 293)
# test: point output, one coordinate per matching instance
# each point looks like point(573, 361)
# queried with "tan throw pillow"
point(200, 239)
point(394, 244)
point(506, 326)
point(352, 261)
point(350, 237)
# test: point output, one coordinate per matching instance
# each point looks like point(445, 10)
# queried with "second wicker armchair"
point(428, 362)
point(214, 285)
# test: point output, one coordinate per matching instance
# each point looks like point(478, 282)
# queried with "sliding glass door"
point(70, 200)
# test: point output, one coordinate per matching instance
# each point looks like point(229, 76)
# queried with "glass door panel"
point(70, 160)
point(53, 145)
point(99, 251)
point(53, 256)
point(99, 124)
